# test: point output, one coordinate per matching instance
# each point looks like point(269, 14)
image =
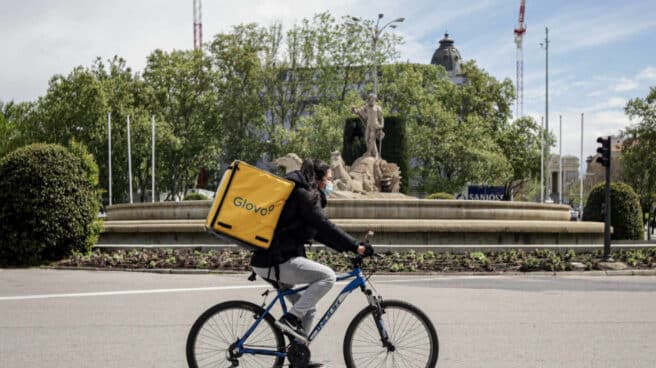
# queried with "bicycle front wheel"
point(216, 331)
point(411, 334)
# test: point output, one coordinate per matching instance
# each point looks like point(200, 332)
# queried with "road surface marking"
point(184, 290)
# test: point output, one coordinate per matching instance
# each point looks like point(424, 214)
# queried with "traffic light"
point(604, 150)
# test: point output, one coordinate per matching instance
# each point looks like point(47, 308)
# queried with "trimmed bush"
point(48, 204)
point(354, 141)
point(625, 215)
point(441, 195)
point(195, 197)
point(394, 145)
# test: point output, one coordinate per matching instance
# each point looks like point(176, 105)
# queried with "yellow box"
point(248, 204)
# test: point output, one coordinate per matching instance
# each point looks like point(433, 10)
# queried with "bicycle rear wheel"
point(410, 332)
point(213, 333)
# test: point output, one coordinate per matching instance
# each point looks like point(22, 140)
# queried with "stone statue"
point(372, 115)
point(367, 176)
point(290, 162)
point(341, 177)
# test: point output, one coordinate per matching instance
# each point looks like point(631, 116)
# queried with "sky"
point(601, 52)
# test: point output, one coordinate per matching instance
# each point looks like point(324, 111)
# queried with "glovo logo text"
point(241, 202)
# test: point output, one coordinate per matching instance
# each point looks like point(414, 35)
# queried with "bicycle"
point(397, 334)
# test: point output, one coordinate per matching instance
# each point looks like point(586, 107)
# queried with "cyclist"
point(285, 264)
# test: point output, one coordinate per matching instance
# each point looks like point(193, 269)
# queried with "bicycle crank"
point(298, 354)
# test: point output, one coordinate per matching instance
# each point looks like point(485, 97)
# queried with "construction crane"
point(519, 37)
point(198, 25)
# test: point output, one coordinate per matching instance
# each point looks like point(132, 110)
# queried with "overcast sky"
point(601, 53)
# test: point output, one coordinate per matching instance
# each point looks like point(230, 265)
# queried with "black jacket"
point(302, 219)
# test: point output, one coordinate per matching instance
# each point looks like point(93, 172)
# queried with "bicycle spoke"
point(218, 331)
point(406, 330)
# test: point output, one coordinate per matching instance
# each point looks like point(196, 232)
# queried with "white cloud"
point(423, 21)
point(597, 123)
point(648, 73)
point(583, 26)
point(611, 103)
point(625, 84)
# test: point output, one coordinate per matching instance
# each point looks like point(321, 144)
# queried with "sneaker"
point(290, 324)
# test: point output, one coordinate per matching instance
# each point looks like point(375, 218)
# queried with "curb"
point(182, 271)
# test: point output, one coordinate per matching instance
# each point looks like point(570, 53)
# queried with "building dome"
point(447, 56)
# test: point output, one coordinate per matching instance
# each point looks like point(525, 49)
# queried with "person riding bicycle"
point(285, 263)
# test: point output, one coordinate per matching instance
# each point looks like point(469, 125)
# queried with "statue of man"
point(372, 114)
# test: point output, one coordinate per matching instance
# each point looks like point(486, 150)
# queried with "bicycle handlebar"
point(358, 259)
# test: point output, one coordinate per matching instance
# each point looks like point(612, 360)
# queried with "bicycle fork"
point(377, 312)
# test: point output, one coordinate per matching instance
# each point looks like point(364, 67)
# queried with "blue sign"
point(484, 192)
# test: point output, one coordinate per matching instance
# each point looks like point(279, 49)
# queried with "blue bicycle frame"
point(359, 281)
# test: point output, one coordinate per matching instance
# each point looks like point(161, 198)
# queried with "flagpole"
point(109, 144)
point(153, 161)
point(129, 162)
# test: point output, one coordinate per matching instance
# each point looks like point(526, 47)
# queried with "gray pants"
point(301, 270)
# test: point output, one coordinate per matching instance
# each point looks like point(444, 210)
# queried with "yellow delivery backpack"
point(247, 205)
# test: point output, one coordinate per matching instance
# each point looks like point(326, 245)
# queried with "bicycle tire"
point(224, 323)
point(403, 323)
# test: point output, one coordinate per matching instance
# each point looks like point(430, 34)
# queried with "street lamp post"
point(542, 160)
point(376, 31)
point(545, 45)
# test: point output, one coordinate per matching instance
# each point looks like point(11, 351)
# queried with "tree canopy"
point(639, 153)
point(258, 92)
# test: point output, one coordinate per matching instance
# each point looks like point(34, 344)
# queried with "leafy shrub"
point(625, 214)
point(441, 195)
point(195, 197)
point(239, 260)
point(48, 204)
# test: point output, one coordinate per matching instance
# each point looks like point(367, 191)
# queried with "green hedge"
point(394, 144)
point(354, 141)
point(625, 215)
point(195, 197)
point(441, 195)
point(48, 204)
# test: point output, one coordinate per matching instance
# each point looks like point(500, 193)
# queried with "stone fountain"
point(368, 198)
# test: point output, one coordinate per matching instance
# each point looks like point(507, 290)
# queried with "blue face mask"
point(328, 189)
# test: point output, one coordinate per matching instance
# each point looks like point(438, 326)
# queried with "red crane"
point(519, 37)
point(198, 25)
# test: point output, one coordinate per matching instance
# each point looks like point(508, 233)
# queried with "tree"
point(321, 132)
point(257, 92)
point(181, 92)
point(240, 104)
point(639, 153)
point(520, 143)
point(447, 157)
point(74, 107)
point(324, 61)
point(124, 94)
point(444, 121)
point(13, 125)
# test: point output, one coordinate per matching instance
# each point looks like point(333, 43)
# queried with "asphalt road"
point(51, 318)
